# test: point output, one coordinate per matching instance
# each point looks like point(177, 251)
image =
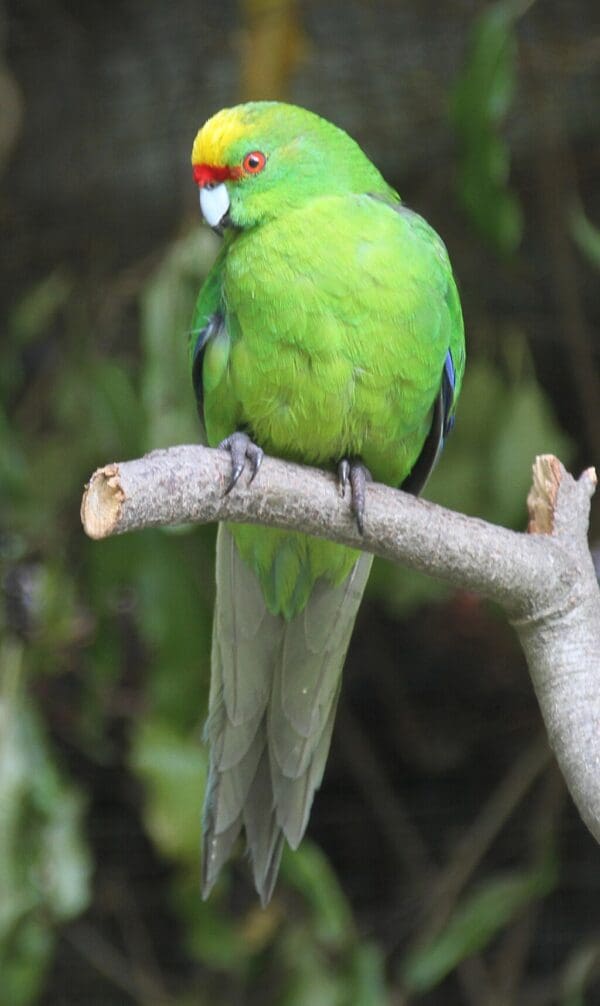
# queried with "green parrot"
point(328, 332)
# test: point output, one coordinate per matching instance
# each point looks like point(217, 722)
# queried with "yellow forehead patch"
point(216, 137)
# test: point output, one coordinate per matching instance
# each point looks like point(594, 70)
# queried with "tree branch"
point(544, 579)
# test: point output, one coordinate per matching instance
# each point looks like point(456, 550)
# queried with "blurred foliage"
point(481, 99)
point(585, 234)
point(475, 923)
point(94, 617)
point(44, 858)
point(582, 969)
point(167, 303)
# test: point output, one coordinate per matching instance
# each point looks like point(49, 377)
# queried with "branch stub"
point(102, 502)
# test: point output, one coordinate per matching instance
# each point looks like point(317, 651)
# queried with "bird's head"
point(254, 161)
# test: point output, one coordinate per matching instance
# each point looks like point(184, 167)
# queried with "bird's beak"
point(214, 203)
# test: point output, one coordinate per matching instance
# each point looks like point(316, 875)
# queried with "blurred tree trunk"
point(272, 46)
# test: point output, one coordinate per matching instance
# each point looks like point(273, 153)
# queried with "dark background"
point(445, 863)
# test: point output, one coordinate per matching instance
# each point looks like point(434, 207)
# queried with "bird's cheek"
point(214, 203)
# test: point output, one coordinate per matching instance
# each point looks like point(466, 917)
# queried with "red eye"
point(254, 162)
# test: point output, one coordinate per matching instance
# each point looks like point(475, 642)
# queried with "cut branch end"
point(590, 476)
point(102, 502)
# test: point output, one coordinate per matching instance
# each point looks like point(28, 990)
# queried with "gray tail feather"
point(274, 691)
point(263, 834)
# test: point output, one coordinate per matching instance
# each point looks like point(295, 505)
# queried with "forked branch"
point(544, 579)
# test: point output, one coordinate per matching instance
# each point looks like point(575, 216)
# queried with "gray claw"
point(343, 472)
point(358, 475)
point(255, 455)
point(242, 449)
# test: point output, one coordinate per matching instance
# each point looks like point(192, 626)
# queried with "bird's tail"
point(274, 691)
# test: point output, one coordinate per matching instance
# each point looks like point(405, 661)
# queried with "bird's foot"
point(242, 449)
point(357, 474)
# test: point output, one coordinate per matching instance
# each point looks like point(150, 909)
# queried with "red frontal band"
point(204, 174)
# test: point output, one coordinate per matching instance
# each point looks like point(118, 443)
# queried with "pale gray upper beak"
point(214, 203)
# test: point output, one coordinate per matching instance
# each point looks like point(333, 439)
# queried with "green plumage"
point(333, 311)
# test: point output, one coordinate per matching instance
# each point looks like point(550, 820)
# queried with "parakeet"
point(328, 332)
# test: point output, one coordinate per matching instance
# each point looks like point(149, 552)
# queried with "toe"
point(343, 473)
point(359, 476)
point(255, 455)
point(241, 448)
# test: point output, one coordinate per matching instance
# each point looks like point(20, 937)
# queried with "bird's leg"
point(242, 449)
point(358, 475)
